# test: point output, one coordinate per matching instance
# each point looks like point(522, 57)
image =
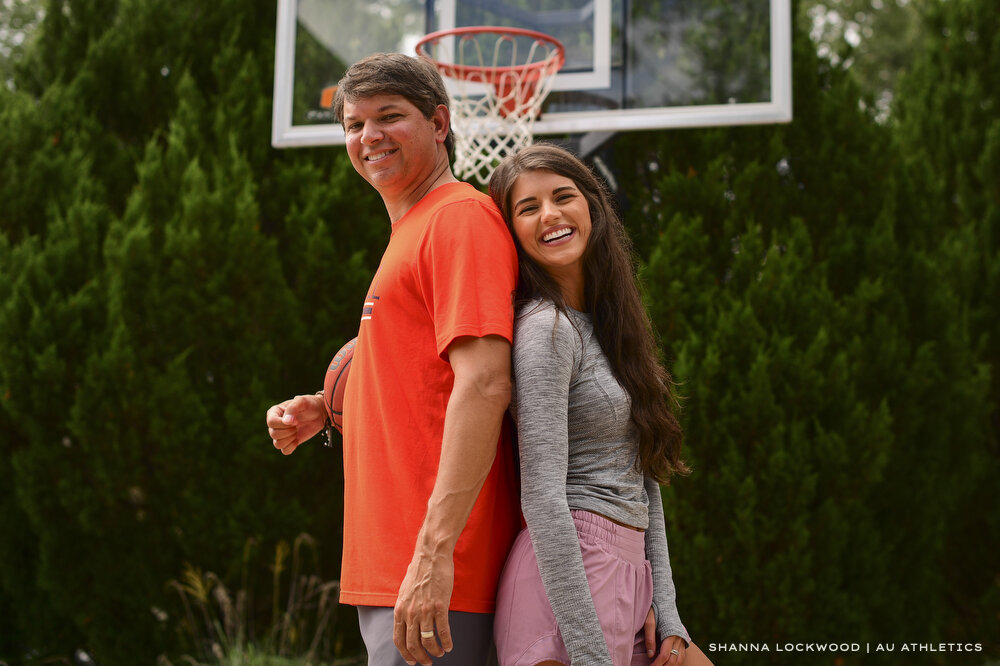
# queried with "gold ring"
point(427, 634)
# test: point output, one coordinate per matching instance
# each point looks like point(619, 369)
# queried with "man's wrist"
point(327, 431)
point(436, 539)
point(435, 544)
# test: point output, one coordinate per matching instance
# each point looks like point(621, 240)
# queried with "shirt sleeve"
point(668, 621)
point(467, 272)
point(545, 355)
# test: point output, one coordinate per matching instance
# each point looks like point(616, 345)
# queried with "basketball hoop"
point(500, 78)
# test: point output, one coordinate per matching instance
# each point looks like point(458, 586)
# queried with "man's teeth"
point(378, 156)
point(556, 234)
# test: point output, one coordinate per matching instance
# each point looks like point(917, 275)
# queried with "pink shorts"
point(621, 584)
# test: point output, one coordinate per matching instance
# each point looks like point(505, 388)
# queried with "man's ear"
point(442, 122)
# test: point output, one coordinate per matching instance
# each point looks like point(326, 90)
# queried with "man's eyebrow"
point(381, 109)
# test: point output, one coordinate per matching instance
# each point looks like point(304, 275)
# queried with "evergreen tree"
point(826, 291)
point(827, 359)
point(949, 131)
point(164, 277)
point(49, 310)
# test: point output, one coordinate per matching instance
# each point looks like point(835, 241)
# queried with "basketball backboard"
point(630, 64)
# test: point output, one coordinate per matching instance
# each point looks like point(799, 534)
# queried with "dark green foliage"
point(949, 130)
point(162, 270)
point(826, 292)
point(822, 322)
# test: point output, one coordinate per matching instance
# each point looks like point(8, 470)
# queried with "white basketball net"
point(498, 80)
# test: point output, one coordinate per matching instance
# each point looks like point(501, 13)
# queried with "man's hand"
point(421, 613)
point(672, 651)
point(295, 421)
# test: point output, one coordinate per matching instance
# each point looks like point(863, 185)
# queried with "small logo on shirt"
point(370, 300)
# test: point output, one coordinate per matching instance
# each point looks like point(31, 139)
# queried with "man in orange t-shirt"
point(430, 493)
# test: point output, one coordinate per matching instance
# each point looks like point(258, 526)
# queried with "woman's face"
point(551, 219)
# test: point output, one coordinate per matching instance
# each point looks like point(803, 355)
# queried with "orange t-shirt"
point(449, 270)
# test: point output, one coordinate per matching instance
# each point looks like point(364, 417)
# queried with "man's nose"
point(371, 133)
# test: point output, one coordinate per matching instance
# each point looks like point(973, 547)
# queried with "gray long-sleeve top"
point(578, 447)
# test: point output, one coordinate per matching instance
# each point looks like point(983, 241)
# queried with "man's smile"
point(375, 157)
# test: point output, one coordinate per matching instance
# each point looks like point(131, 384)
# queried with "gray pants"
point(471, 634)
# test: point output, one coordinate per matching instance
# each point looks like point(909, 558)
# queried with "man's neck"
point(398, 205)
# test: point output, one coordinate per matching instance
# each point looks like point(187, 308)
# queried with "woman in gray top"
point(589, 581)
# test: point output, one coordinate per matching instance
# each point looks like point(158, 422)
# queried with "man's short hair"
point(394, 74)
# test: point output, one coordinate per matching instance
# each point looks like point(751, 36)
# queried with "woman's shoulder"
point(538, 313)
point(540, 322)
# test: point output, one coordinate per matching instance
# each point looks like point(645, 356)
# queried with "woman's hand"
point(671, 650)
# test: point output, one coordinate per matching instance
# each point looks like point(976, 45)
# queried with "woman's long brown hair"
point(612, 298)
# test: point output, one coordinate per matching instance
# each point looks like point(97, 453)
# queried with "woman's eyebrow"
point(532, 197)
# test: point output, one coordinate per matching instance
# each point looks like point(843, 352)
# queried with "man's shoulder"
point(464, 216)
point(462, 194)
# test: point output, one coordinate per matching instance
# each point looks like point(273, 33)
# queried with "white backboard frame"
point(777, 110)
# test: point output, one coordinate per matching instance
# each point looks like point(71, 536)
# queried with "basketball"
point(336, 382)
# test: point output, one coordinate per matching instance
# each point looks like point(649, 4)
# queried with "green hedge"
point(825, 291)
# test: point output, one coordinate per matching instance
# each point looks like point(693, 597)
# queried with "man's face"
point(390, 142)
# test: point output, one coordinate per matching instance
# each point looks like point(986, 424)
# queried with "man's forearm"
point(468, 448)
point(478, 399)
